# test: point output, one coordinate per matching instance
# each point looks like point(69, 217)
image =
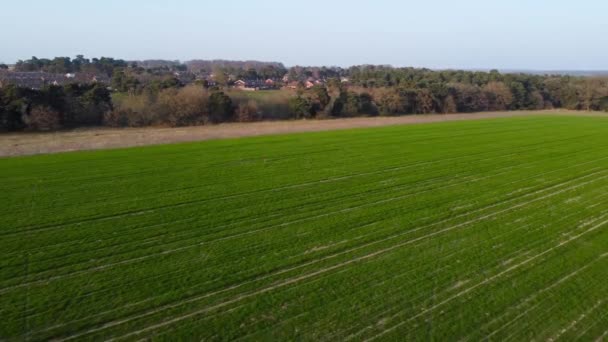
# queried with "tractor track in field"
point(407, 184)
point(445, 256)
point(511, 256)
point(492, 278)
point(165, 252)
point(340, 265)
point(575, 321)
point(517, 307)
point(286, 282)
point(31, 229)
point(237, 235)
point(466, 177)
point(148, 299)
point(403, 185)
point(602, 336)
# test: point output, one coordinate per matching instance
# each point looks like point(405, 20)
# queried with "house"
point(247, 85)
point(103, 79)
point(312, 81)
point(240, 84)
point(292, 85)
point(86, 78)
point(184, 77)
point(254, 84)
point(205, 79)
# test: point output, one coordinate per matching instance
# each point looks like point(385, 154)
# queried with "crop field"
point(487, 229)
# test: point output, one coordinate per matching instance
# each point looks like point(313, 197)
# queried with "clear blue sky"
point(521, 34)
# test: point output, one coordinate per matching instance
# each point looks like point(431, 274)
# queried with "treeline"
point(462, 91)
point(410, 90)
point(72, 106)
point(513, 92)
point(185, 106)
point(53, 107)
point(163, 95)
point(268, 69)
point(62, 65)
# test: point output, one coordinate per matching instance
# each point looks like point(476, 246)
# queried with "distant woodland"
point(50, 94)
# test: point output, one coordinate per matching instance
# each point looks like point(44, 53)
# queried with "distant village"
point(253, 85)
point(38, 80)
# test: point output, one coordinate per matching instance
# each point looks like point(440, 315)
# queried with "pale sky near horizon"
point(470, 34)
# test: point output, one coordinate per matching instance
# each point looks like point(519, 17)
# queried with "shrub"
point(220, 107)
point(12, 105)
point(603, 104)
point(173, 107)
point(271, 104)
point(248, 112)
point(134, 111)
point(300, 107)
point(43, 118)
point(186, 106)
point(117, 117)
point(82, 105)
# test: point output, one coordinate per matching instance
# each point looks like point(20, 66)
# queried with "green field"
point(465, 230)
